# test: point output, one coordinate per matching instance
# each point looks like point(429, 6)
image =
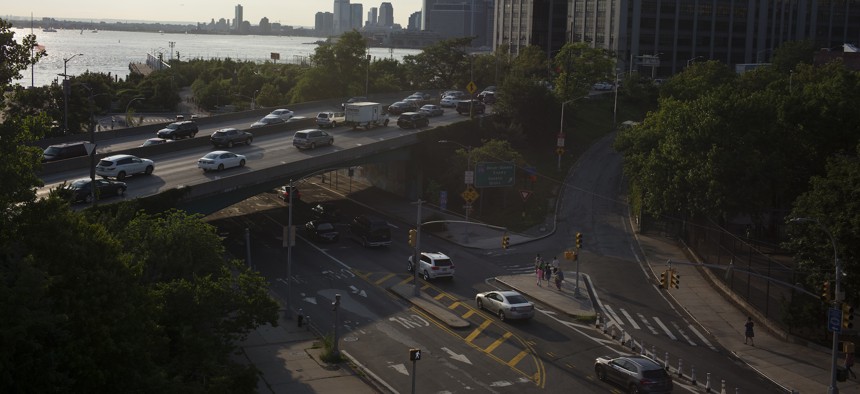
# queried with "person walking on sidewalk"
point(750, 332)
point(559, 277)
point(849, 362)
point(539, 269)
point(547, 272)
point(555, 262)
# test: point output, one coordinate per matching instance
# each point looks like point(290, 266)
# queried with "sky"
point(286, 12)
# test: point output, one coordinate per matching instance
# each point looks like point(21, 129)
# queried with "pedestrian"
point(750, 333)
point(559, 277)
point(547, 271)
point(555, 262)
point(538, 269)
point(849, 362)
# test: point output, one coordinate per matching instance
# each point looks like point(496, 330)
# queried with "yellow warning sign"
point(471, 88)
point(470, 195)
point(559, 151)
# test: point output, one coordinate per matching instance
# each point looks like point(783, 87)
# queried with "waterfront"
point(112, 51)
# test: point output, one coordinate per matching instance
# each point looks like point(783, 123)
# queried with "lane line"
point(517, 358)
point(647, 324)
point(702, 337)
point(663, 326)
point(478, 331)
point(384, 278)
point(498, 342)
point(612, 315)
point(629, 318)
point(684, 334)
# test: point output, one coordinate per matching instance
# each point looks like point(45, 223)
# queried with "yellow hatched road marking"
point(468, 314)
point(478, 330)
point(439, 296)
point(454, 305)
point(517, 358)
point(498, 342)
point(405, 281)
point(384, 278)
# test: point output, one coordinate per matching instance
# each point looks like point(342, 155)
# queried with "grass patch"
point(328, 355)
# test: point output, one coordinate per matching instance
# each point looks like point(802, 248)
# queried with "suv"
point(178, 130)
point(463, 106)
point(639, 374)
point(119, 166)
point(370, 231)
point(64, 151)
point(413, 120)
point(433, 265)
point(230, 136)
point(311, 138)
point(330, 119)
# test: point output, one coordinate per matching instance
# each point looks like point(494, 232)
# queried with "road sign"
point(525, 194)
point(469, 177)
point(834, 320)
point(560, 140)
point(470, 194)
point(472, 88)
point(494, 174)
point(89, 147)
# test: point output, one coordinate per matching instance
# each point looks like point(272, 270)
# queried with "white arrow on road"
point(458, 357)
point(312, 300)
point(355, 290)
point(400, 368)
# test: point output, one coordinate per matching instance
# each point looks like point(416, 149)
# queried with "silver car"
point(120, 166)
point(312, 138)
point(506, 304)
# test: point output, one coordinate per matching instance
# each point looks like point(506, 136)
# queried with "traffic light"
point(676, 279)
point(663, 280)
point(506, 241)
point(413, 237)
point(825, 291)
point(414, 354)
point(847, 316)
point(579, 240)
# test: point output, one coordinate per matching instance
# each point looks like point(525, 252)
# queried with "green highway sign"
point(494, 174)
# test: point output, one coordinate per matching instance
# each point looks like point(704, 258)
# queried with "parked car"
point(320, 230)
point(413, 120)
point(506, 304)
point(401, 107)
point(453, 93)
point(449, 101)
point(432, 110)
point(356, 99)
point(282, 113)
point(312, 138)
point(219, 160)
point(432, 265)
point(154, 141)
point(487, 97)
point(120, 166)
point(636, 374)
point(326, 211)
point(81, 189)
point(269, 120)
point(285, 191)
point(177, 130)
point(64, 151)
point(370, 231)
point(229, 137)
point(421, 95)
point(464, 106)
point(602, 86)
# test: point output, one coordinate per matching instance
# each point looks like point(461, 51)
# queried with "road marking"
point(663, 326)
point(439, 296)
point(468, 314)
point(517, 358)
point(454, 305)
point(458, 357)
point(384, 278)
point(399, 368)
point(698, 334)
point(407, 280)
point(684, 334)
point(494, 345)
point(612, 315)
point(647, 324)
point(629, 318)
point(478, 330)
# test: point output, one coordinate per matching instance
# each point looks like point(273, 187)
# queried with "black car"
point(320, 230)
point(81, 190)
point(176, 130)
point(326, 211)
point(413, 120)
point(464, 106)
point(64, 151)
point(401, 107)
point(636, 374)
point(230, 136)
point(370, 231)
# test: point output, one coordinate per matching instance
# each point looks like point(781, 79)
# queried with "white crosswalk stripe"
point(521, 269)
point(663, 326)
point(683, 334)
point(673, 330)
point(612, 315)
point(647, 323)
point(629, 318)
point(702, 337)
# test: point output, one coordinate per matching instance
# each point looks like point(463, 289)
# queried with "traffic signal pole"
point(415, 254)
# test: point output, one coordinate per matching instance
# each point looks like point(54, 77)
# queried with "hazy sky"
point(287, 12)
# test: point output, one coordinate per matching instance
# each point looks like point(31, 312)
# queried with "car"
point(219, 160)
point(154, 141)
point(64, 151)
point(282, 113)
point(636, 374)
point(176, 130)
point(269, 120)
point(453, 93)
point(421, 95)
point(487, 97)
point(449, 101)
point(356, 99)
point(312, 138)
point(432, 110)
point(491, 88)
point(432, 265)
point(413, 120)
point(507, 304)
point(81, 189)
point(465, 106)
point(330, 119)
point(602, 86)
point(326, 211)
point(297, 119)
point(370, 231)
point(401, 107)
point(321, 230)
point(284, 193)
point(120, 166)
point(229, 137)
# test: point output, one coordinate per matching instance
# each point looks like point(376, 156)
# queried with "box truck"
point(365, 114)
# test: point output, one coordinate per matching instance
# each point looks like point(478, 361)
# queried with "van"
point(370, 231)
point(312, 138)
point(64, 151)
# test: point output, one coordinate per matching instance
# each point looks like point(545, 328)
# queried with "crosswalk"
point(678, 332)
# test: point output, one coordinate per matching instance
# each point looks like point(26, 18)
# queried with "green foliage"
point(697, 80)
point(339, 70)
point(17, 56)
point(791, 54)
point(442, 65)
point(578, 67)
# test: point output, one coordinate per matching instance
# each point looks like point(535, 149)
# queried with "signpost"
point(834, 320)
point(495, 174)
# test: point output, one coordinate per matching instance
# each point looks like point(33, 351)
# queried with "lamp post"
point(561, 127)
point(693, 60)
point(836, 300)
point(367, 77)
point(334, 306)
point(128, 118)
point(615, 104)
point(254, 99)
point(66, 92)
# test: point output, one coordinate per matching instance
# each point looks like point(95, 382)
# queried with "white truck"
point(330, 119)
point(365, 114)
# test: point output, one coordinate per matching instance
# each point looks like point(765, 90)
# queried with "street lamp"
point(66, 92)
point(561, 127)
point(693, 60)
point(127, 106)
point(334, 306)
point(367, 78)
point(254, 99)
point(836, 300)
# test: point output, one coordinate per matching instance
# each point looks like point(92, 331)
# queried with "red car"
point(285, 193)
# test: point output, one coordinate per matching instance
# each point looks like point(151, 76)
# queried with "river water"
point(111, 51)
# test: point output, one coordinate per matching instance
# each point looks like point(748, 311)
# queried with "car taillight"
point(434, 268)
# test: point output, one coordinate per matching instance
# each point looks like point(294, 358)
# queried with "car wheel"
point(89, 198)
point(229, 144)
point(242, 163)
point(250, 139)
point(501, 315)
point(426, 276)
point(409, 267)
point(313, 145)
point(193, 135)
point(333, 125)
point(149, 170)
point(120, 191)
point(601, 373)
point(331, 142)
point(220, 167)
point(480, 304)
point(120, 176)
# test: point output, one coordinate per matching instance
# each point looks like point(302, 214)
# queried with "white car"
point(506, 304)
point(219, 160)
point(268, 120)
point(449, 101)
point(120, 166)
point(433, 265)
point(602, 86)
point(282, 113)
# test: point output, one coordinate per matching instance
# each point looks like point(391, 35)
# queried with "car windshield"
point(212, 155)
point(172, 126)
point(105, 163)
point(80, 183)
point(322, 116)
point(517, 299)
point(325, 226)
point(52, 150)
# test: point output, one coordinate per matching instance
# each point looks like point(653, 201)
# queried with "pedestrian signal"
point(413, 237)
point(579, 240)
point(414, 354)
point(825, 291)
point(847, 316)
point(506, 241)
point(663, 280)
point(676, 279)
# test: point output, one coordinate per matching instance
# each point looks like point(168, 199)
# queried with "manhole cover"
point(350, 339)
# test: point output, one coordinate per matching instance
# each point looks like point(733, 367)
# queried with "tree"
point(578, 67)
point(443, 65)
point(338, 70)
point(697, 79)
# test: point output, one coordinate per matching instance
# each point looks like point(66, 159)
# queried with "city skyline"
point(194, 11)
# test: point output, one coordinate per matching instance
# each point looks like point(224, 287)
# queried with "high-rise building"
point(460, 18)
point(237, 20)
point(355, 16)
point(342, 15)
point(386, 15)
point(414, 21)
point(660, 37)
point(371, 16)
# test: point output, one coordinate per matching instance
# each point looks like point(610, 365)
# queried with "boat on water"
point(49, 30)
point(95, 31)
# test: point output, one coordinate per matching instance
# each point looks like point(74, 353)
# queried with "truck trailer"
point(366, 115)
